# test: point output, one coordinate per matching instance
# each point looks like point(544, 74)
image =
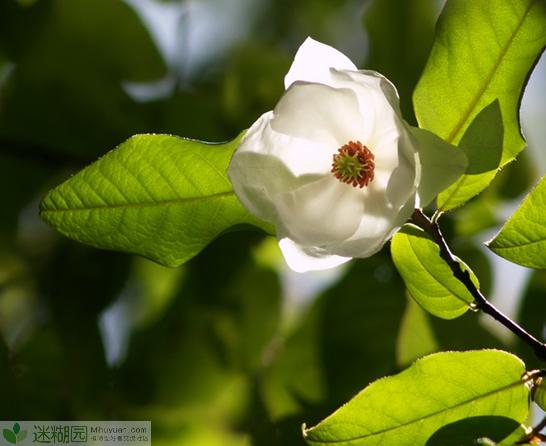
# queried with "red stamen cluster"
point(354, 164)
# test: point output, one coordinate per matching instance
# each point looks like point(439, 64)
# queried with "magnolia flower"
point(334, 166)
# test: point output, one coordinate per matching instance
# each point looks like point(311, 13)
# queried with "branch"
point(431, 227)
point(535, 435)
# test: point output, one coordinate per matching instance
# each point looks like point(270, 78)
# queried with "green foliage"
point(159, 196)
point(428, 278)
point(400, 34)
point(434, 392)
point(482, 144)
point(416, 336)
point(483, 51)
point(65, 93)
point(515, 438)
point(223, 351)
point(306, 380)
point(522, 239)
point(532, 314)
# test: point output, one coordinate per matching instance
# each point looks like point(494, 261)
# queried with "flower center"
point(354, 164)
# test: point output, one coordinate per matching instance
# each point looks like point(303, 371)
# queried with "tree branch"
point(431, 227)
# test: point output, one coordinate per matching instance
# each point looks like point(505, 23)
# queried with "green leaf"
point(440, 389)
point(482, 144)
point(21, 436)
point(9, 436)
point(428, 278)
point(441, 164)
point(484, 50)
point(481, 430)
point(159, 196)
point(514, 439)
point(522, 239)
point(16, 428)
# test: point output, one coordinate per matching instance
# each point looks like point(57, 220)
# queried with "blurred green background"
point(231, 348)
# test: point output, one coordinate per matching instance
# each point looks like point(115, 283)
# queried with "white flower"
point(334, 166)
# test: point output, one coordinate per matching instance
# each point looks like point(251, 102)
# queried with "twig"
point(535, 434)
point(480, 302)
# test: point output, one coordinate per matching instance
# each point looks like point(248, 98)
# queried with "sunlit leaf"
point(482, 144)
point(522, 239)
point(483, 50)
point(428, 278)
point(440, 389)
point(159, 196)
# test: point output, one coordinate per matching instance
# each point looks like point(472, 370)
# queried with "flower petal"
point(301, 260)
point(268, 162)
point(441, 164)
point(319, 213)
point(327, 116)
point(376, 227)
point(313, 61)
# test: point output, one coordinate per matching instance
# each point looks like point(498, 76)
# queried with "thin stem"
point(535, 434)
point(480, 302)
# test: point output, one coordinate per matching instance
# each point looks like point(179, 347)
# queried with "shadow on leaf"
point(484, 430)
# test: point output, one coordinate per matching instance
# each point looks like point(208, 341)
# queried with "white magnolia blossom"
point(334, 166)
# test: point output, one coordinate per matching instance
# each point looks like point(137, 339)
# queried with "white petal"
point(302, 260)
point(405, 176)
point(376, 228)
point(441, 164)
point(267, 162)
point(319, 113)
point(319, 213)
point(371, 79)
point(313, 61)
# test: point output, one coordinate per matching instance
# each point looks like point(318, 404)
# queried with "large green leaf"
point(428, 278)
point(522, 239)
point(484, 50)
point(440, 389)
point(159, 196)
point(482, 144)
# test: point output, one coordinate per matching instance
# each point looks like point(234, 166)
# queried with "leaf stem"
point(535, 434)
point(431, 227)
